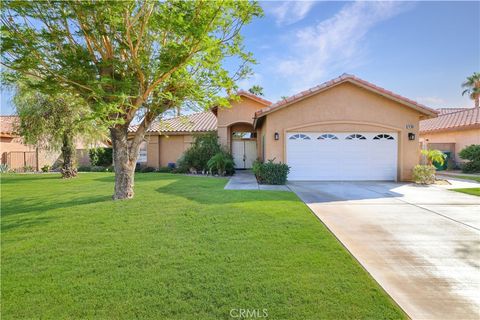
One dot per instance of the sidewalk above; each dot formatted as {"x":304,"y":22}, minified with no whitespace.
{"x":245,"y":180}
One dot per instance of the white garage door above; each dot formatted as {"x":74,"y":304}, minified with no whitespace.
{"x":342,"y":156}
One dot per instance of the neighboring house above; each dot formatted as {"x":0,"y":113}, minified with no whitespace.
{"x":343,"y":129}
{"x":18,"y":155}
{"x":453,"y":130}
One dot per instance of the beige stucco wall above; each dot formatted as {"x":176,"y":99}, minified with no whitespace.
{"x":461,"y":139}
{"x":12,"y":149}
{"x":347,"y":108}
{"x":241,"y":111}
{"x":165,"y":149}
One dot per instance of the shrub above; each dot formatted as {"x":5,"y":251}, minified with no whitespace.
{"x":147,"y":169}
{"x":424,"y":174}
{"x":221,"y":163}
{"x":84,"y":169}
{"x":98,"y":169}
{"x":46,"y":168}
{"x":203,"y":149}
{"x":28,"y":169}
{"x":3,"y":168}
{"x":471,"y":167}
{"x":271,"y":172}
{"x":101,"y":156}
{"x":165,"y":169}
{"x":471,"y":153}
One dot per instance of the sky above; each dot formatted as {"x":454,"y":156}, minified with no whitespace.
{"x":421,"y":50}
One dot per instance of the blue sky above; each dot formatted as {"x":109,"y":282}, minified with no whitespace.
{"x":422,"y":50}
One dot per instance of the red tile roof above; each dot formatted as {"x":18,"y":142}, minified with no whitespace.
{"x":464,"y":119}
{"x":449,"y":110}
{"x":346,"y":78}
{"x":8,"y":125}
{"x":197,"y":122}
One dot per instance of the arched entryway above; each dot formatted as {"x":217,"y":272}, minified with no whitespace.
{"x":243,"y":145}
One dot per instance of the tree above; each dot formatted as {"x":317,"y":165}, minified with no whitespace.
{"x":256,"y":90}
{"x":54,"y":122}
{"x":472,"y":88}
{"x":129,"y":59}
{"x":436,"y":156}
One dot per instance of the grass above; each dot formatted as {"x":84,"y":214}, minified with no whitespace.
{"x":468,"y":178}
{"x":472,"y":191}
{"x":183,"y":248}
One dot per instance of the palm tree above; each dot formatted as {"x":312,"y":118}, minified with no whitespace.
{"x":472,"y":88}
{"x":256,"y":90}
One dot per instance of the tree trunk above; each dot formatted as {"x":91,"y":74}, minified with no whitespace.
{"x":68,"y":155}
{"x":477,"y":102}
{"x":124,"y":160}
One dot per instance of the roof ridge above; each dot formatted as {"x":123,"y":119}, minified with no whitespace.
{"x":458,"y":111}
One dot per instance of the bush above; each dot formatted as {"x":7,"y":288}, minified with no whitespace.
{"x":203,"y":149}
{"x":471,"y":153}
{"x":165,"y":169}
{"x":84,"y":169}
{"x":3,"y":168}
{"x":270,"y":172}
{"x":147,"y":169}
{"x":101,"y":156}
{"x":46,"y":168}
{"x":471,"y":167}
{"x":424,"y":174}
{"x":221,"y":164}
{"x":98,"y":169}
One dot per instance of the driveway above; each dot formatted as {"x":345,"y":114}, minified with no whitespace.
{"x":421,"y":244}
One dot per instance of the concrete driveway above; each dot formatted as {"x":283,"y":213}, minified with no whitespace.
{"x":421,"y":244}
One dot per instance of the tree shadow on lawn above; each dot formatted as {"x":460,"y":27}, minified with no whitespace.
{"x":28,"y":205}
{"x":211,"y":191}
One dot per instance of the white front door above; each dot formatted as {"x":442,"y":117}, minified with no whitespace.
{"x":342,"y":155}
{"x":244,"y":153}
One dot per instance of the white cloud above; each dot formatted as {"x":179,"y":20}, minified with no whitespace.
{"x":431,"y":101}
{"x":289,"y":12}
{"x":336,"y":44}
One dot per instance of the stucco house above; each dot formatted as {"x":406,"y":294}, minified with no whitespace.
{"x":343,"y":129}
{"x":453,"y":130}
{"x":18,"y":155}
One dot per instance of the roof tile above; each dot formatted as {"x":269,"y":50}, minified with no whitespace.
{"x":465,"y":118}
{"x":197,"y":122}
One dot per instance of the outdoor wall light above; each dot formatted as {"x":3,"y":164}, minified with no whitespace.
{"x":411,"y":136}
{"x":276,"y":136}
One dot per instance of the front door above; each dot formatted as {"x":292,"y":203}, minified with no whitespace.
{"x":244,"y":153}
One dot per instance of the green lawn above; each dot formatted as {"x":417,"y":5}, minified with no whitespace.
{"x":468,"y":178}
{"x":184,"y":248}
{"x":472,"y":191}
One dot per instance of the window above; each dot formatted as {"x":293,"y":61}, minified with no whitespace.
{"x":142,"y":153}
{"x":356,"y":136}
{"x":327,"y":136}
{"x":299,"y":136}
{"x":243,"y":135}
{"x":383,"y":136}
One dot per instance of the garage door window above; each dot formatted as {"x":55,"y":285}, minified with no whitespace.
{"x":299,"y":137}
{"x":327,"y":136}
{"x":383,"y":137}
{"x":355,"y":136}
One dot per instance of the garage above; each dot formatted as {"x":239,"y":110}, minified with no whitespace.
{"x":343,"y":156}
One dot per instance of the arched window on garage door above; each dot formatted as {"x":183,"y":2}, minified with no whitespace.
{"x":299,"y":136}
{"x":356,"y":136}
{"x":328,"y":136}
{"x":383,"y":136}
